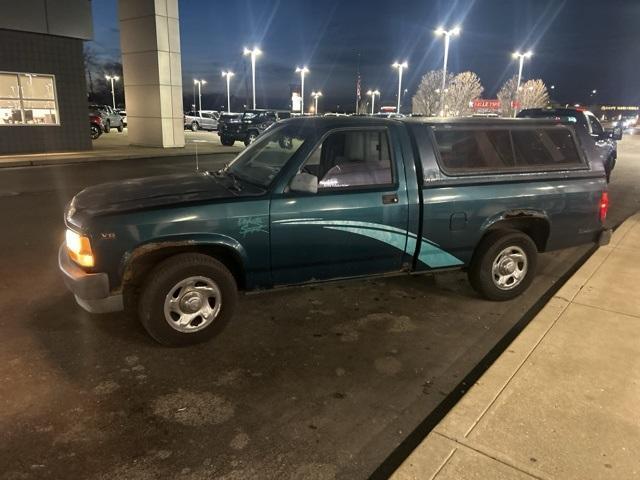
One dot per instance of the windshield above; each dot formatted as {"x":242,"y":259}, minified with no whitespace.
{"x":262,"y":161}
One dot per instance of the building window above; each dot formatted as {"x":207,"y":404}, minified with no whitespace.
{"x":28,"y":99}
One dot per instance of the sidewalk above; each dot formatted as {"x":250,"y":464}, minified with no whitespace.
{"x":563,"y":401}
{"x":115,"y":146}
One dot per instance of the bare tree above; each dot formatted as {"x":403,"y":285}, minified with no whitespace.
{"x":462,"y":90}
{"x":90,"y":65}
{"x":507,"y":96}
{"x":426,"y":101}
{"x":532,"y":94}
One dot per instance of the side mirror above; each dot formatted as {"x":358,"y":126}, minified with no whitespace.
{"x":304,"y":183}
{"x":615,"y":133}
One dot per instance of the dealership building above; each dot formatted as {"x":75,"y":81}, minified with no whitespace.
{"x":43,"y":101}
{"x":43,"y":92}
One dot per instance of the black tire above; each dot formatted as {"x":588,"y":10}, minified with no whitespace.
{"x":487,"y":252}
{"x":95,"y":132}
{"x":251,"y":137}
{"x":227,"y":142}
{"x":107,"y":126}
{"x":120,"y":128}
{"x":162,"y":280}
{"x":194,"y":126}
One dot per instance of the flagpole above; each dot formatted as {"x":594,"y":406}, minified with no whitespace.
{"x":358,"y":84}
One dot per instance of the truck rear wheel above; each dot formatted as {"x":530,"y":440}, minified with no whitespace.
{"x":503,"y":265}
{"x":187,"y":299}
{"x":226,"y":141}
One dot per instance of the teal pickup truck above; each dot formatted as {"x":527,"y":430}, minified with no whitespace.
{"x":316,"y":199}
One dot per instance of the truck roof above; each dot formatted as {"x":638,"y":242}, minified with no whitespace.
{"x":328,"y":122}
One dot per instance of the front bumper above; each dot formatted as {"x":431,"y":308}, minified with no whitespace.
{"x":236,"y":135}
{"x":90,"y":289}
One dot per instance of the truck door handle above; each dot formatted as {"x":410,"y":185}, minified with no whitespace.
{"x":389,"y":199}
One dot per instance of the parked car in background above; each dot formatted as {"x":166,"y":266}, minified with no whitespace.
{"x":252,"y":123}
{"x":123,"y":114}
{"x":110,"y":118}
{"x":95,"y":124}
{"x":601,"y":144}
{"x":321,"y":198}
{"x":201,"y":120}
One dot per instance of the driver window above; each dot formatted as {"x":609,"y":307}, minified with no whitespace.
{"x":596,"y":127}
{"x":351,"y":159}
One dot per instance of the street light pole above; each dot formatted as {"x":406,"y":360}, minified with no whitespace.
{"x":113,"y":78}
{"x":447,"y":36}
{"x":199,"y":83}
{"x":373,"y":94}
{"x":302,"y":71}
{"x":520,"y":57}
{"x":400,"y":67}
{"x":316,"y":95}
{"x":228,"y":74}
{"x":254,"y":53}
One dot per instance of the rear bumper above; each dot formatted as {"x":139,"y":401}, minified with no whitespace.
{"x":90,"y":289}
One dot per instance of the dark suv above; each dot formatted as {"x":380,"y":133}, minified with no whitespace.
{"x":599,"y":143}
{"x":252,"y":123}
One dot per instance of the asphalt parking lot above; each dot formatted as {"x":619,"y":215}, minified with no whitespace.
{"x":313,"y":383}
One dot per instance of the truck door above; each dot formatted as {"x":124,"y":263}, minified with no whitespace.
{"x":356,"y":223}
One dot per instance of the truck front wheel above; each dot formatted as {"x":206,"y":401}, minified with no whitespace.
{"x":187,"y":299}
{"x":251,"y":137}
{"x":503,"y":265}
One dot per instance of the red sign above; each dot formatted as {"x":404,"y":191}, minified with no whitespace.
{"x":484,"y":104}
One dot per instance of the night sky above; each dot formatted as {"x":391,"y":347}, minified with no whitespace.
{"x":579,"y":45}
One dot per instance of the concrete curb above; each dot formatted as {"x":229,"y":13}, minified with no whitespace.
{"x":454,"y":442}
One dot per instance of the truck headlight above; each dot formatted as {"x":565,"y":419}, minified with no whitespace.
{"x":79,"y":249}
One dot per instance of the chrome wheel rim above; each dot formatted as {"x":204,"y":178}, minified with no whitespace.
{"x":509,"y":268}
{"x":192,"y":304}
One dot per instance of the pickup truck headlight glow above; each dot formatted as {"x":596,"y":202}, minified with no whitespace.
{"x":79,"y":249}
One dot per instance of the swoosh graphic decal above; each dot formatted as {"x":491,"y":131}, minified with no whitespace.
{"x":430,"y":253}
{"x":397,"y":240}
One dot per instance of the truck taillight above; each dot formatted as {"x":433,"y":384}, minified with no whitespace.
{"x":604,"y":206}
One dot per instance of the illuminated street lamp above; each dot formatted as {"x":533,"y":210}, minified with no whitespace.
{"x":113,"y":78}
{"x":372,"y":94}
{"x":302,"y":71}
{"x":228,"y":74}
{"x":447,"y":36}
{"x":315,"y":96}
{"x":521,"y":57}
{"x":255,"y":52}
{"x":199,"y":83}
{"x":400,"y":67}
